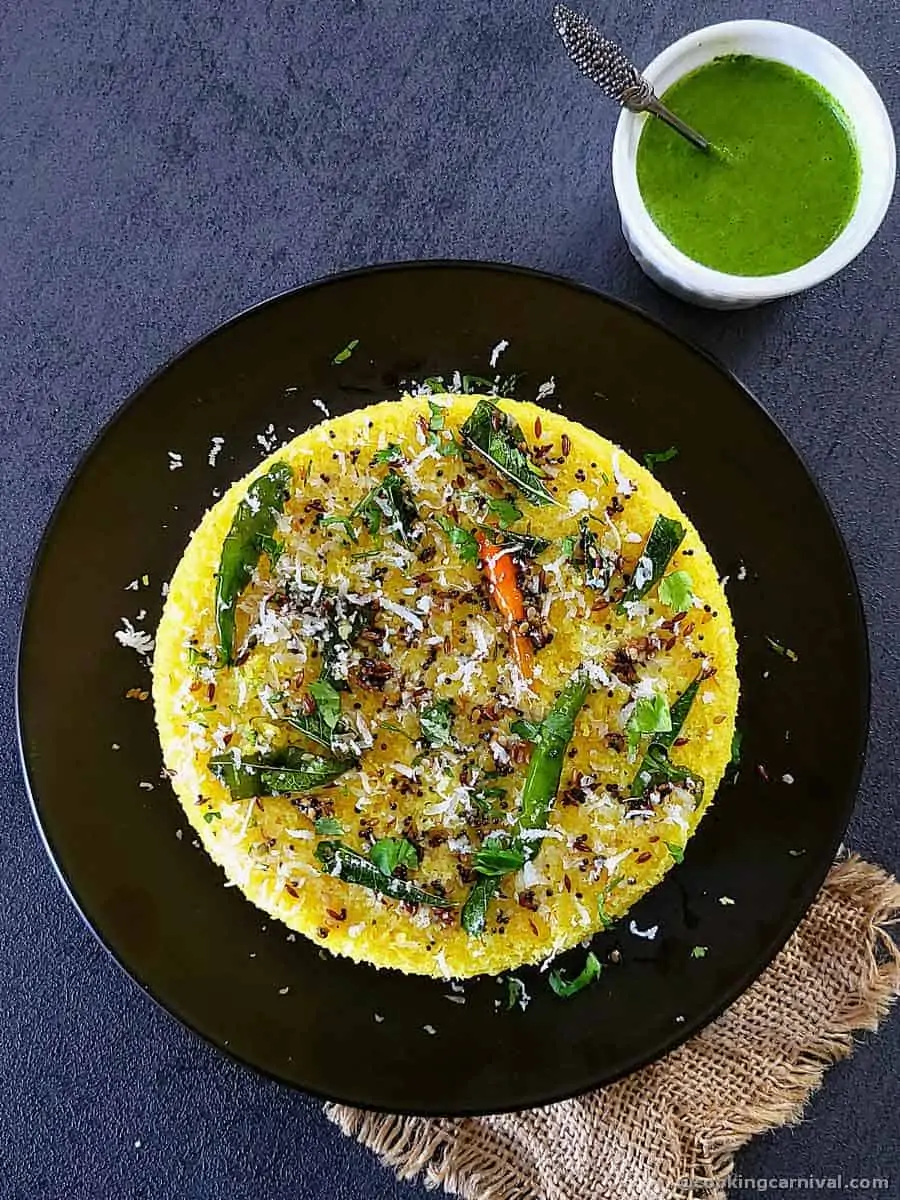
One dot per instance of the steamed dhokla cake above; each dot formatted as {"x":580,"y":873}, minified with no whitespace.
{"x":446,"y":683}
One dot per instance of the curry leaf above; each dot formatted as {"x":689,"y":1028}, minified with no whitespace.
{"x":290,"y":770}
{"x":342,"y":862}
{"x":664,"y":539}
{"x":499,"y":440}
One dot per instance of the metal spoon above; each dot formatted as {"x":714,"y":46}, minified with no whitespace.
{"x":606,"y":65}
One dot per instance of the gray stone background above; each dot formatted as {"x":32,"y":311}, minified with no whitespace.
{"x":164,"y":165}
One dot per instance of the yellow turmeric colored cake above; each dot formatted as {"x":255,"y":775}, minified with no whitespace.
{"x":446,"y":683}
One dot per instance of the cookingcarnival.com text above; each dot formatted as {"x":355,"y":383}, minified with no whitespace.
{"x":836,"y":1185}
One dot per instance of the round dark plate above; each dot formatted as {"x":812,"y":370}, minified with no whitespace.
{"x":225,"y":969}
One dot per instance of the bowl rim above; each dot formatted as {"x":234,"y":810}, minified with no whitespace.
{"x":696,"y":277}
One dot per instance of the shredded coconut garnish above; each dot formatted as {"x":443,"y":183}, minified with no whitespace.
{"x":649,"y":934}
{"x":215,"y":450}
{"x":502,"y":345}
{"x":546,"y":389}
{"x":135,"y":639}
{"x":321,"y":406}
{"x":175,"y":460}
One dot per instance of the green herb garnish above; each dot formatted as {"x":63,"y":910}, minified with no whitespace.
{"x":345,"y":523}
{"x":529,"y":731}
{"x":699,"y":951}
{"x":209,"y":817}
{"x":391,"y":501}
{"x":664,"y":539}
{"x":516,"y":994}
{"x":650,"y":715}
{"x":343,"y":355}
{"x":329,"y":827}
{"x":675,"y":850}
{"x":599,"y":564}
{"x":656,"y":767}
{"x":784,"y":651}
{"x":498,"y":439}
{"x":436,"y":723}
{"x":538,"y":792}
{"x":653,"y":457}
{"x":254,"y":519}
{"x":389,"y":853}
{"x":390,"y":454}
{"x":498,"y":857}
{"x":505,"y":511}
{"x":289,"y":770}
{"x":675,"y":590}
{"x":461,"y":539}
{"x":569,"y":987}
{"x":339,"y":860}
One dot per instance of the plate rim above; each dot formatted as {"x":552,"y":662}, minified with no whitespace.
{"x":812,"y":883}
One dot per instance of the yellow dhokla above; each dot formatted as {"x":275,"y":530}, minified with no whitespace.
{"x":362,"y":664}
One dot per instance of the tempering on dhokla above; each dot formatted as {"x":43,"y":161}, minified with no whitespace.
{"x":446,"y":684}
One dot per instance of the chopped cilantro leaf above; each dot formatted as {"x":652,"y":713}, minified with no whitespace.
{"x":390,"y":454}
{"x":505,"y":511}
{"x":209,"y":817}
{"x":784,"y":651}
{"x":389,"y":853}
{"x":516,"y":994}
{"x":569,"y":987}
{"x":676,"y":851}
{"x":652,"y":457}
{"x":699,"y":951}
{"x":343,"y":355}
{"x":328,"y":702}
{"x":675,"y":590}
{"x":329,"y":827}
{"x":496,"y":859}
{"x":650,"y":715}
{"x":568,"y":544}
{"x":436,"y":722}
{"x":461,"y":539}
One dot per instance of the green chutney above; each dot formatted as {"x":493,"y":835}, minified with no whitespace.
{"x":780,"y":181}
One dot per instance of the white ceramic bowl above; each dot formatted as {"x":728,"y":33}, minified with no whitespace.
{"x":840,"y":76}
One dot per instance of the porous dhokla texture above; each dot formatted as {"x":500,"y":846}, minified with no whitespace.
{"x":443,"y":639}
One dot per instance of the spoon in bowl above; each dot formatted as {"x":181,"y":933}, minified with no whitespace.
{"x":614,"y":74}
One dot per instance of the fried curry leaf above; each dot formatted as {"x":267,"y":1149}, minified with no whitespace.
{"x":436,"y":723}
{"x":254,"y":520}
{"x":474,"y":912}
{"x":498,"y":439}
{"x":664,"y":539}
{"x":598,"y":563}
{"x":522,"y":545}
{"x":389,"y":853}
{"x":462,"y":540}
{"x":389,"y":502}
{"x":569,"y":987}
{"x":342,"y":862}
{"x":290,"y":770}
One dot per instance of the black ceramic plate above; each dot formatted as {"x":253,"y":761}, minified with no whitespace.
{"x":220,"y":965}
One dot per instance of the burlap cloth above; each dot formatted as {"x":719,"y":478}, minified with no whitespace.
{"x":673,"y":1128}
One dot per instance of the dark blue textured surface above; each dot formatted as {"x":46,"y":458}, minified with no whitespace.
{"x":163,"y":165}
